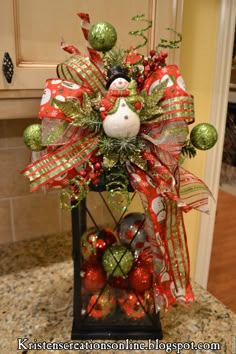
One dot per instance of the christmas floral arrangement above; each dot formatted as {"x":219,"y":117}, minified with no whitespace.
{"x":119,"y":118}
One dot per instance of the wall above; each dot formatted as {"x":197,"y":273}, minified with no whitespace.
{"x":23,"y":215}
{"x":26,"y":215}
{"x":197,"y":61}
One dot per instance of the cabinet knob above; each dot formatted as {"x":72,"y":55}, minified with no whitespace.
{"x":7,"y":67}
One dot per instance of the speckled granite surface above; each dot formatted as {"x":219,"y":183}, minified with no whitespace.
{"x":36,"y":302}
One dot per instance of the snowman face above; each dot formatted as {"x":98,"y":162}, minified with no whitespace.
{"x":119,"y":84}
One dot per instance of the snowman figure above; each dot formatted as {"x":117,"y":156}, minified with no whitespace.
{"x":120,"y":107}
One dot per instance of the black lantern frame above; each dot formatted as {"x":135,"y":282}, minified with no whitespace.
{"x":117,"y":325}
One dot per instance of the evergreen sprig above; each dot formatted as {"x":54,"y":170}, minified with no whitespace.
{"x":114,"y":57}
{"x":188,"y":150}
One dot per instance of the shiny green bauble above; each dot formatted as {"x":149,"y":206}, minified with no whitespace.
{"x":32,"y":137}
{"x":102,"y":36}
{"x":115,"y":254}
{"x":203,"y":136}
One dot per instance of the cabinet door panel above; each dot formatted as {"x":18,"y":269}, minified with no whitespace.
{"x":31,"y":31}
{"x":33,"y":35}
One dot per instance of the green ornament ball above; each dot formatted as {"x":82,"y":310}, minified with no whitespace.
{"x":114,"y":254}
{"x":32,"y":137}
{"x":102,"y":36}
{"x":203,"y":136}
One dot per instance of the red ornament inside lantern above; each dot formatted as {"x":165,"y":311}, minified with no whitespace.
{"x":94,"y":278}
{"x":101,"y":305}
{"x":140,"y":278}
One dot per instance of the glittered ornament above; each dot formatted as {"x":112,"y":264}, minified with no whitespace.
{"x":94,"y":278}
{"x":146,"y":259}
{"x":32,"y":137}
{"x":140,"y":278}
{"x":203,"y":136}
{"x":131,"y":230}
{"x":94,"y":243}
{"x":106,"y":238}
{"x":117,"y":260}
{"x":101,"y":305}
{"x":88,"y":244}
{"x":136,"y":307}
{"x":102,"y":36}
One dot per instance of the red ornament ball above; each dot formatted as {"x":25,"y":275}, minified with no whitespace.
{"x":94,"y":278}
{"x":146,"y":259}
{"x":136,"y":307}
{"x":106,"y":236}
{"x":140,"y":278}
{"x":101,"y":305}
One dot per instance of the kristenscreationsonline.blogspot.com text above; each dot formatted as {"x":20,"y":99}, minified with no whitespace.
{"x":26,"y":344}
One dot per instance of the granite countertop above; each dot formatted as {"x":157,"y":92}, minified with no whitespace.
{"x":36,"y":302}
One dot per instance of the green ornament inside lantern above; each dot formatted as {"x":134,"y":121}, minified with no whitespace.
{"x":117,"y":260}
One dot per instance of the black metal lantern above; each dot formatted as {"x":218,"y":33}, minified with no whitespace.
{"x":107,"y":305}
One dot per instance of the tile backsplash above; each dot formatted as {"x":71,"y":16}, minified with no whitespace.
{"x":24,"y":215}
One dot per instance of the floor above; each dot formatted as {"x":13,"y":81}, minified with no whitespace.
{"x":222,"y":274}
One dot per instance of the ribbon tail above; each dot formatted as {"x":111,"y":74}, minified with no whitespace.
{"x":194,"y":193}
{"x":167,"y":239}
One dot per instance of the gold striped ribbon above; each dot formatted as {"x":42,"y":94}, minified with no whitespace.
{"x":177,"y":245}
{"x":193,"y":191}
{"x":180,"y":107}
{"x":60,"y":161}
{"x":80,"y":70}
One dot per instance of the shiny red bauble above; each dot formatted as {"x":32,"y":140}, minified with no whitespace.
{"x":101,"y":305}
{"x":140,"y":279}
{"x":146,"y":259}
{"x":136,"y":307}
{"x":106,"y":238}
{"x":94,"y":278}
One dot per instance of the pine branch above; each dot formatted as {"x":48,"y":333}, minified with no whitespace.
{"x":188,"y":150}
{"x":114,"y":57}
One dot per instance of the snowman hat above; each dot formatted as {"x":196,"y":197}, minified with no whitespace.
{"x":115,"y":73}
